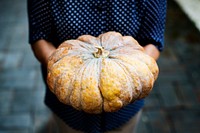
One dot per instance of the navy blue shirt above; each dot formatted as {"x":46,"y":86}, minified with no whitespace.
{"x":60,"y":20}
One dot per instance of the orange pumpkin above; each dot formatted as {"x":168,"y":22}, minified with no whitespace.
{"x":103,"y":73}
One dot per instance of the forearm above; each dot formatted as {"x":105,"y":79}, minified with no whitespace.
{"x":151,"y":50}
{"x":42,"y":49}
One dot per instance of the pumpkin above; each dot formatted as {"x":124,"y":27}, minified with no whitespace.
{"x":103,"y":73}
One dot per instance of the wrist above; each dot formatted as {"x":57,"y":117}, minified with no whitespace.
{"x":152,"y":51}
{"x":43,"y":50}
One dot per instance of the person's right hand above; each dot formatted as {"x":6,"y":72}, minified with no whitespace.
{"x":152,"y":51}
{"x":42,"y":50}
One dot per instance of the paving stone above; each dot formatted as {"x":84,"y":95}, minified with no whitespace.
{"x":142,"y":128}
{"x":152,"y":101}
{"x":38,"y":101}
{"x":168,"y":59}
{"x":29,"y":60}
{"x":10,"y":11}
{"x":155,"y":88}
{"x":186,"y":121}
{"x":20,"y":40}
{"x":17,"y":79}
{"x":15,"y":131}
{"x":23,"y":100}
{"x":143,"y":125}
{"x":1,"y":60}
{"x":39,"y":82}
{"x":5,"y":101}
{"x":172,"y":77}
{"x":158,"y":121}
{"x":15,"y":121}
{"x":187,"y":94}
{"x":12,"y":60}
{"x":168,"y":96}
{"x":6,"y":29}
{"x":42,"y":122}
{"x":194,"y":73}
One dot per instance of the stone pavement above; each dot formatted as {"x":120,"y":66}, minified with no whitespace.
{"x":172,"y":107}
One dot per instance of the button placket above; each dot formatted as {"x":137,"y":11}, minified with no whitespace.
{"x":101,"y":6}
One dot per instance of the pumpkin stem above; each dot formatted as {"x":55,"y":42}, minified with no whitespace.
{"x":101,"y":52}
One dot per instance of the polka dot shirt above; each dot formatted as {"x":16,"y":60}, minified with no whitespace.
{"x":60,"y":20}
{"x":57,"y":21}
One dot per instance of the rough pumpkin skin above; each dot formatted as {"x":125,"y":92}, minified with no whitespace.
{"x":103,"y":73}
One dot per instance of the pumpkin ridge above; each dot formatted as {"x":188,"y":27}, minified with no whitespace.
{"x":146,"y":59}
{"x":77,"y":43}
{"x":130,"y":41}
{"x":127,"y":77}
{"x":149,"y":61}
{"x":95,"y":105}
{"x":115,"y":56}
{"x":127,"y":50}
{"x":78,"y":46}
{"x":100,"y":41}
{"x":74,"y":55}
{"x":145,"y":91}
{"x":54,"y":67}
{"x":99,"y":61}
{"x":56,"y":56}
{"x":81,"y":89}
{"x":66,"y":101}
{"x":99,"y":80}
{"x":89,"y":47}
{"x":128,"y":72}
{"x":90,"y":40}
{"x":109,"y":39}
{"x":79,"y":71}
{"x":111,"y":85}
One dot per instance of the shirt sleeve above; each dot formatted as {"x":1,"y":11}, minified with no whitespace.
{"x":153,"y":23}
{"x":39,"y":18}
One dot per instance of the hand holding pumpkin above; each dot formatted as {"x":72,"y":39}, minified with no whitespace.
{"x":101,"y":74}
{"x":42,"y":50}
{"x":152,"y":51}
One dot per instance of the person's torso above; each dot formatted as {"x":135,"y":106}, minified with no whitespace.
{"x":72,"y":18}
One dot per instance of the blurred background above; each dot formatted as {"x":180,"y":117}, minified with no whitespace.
{"x":172,"y":107}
